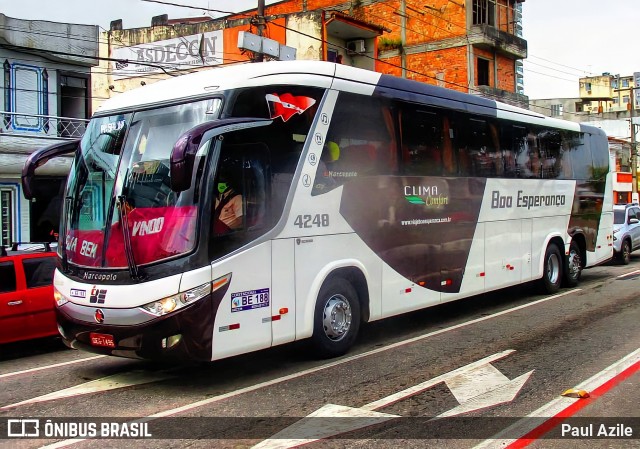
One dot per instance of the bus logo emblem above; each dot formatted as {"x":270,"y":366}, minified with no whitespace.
{"x":97,"y":296}
{"x":99,"y":316}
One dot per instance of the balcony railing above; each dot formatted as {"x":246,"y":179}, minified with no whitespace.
{"x":36,"y":125}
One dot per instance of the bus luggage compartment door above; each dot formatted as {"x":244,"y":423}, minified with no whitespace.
{"x":503,"y":253}
{"x":243,"y":319}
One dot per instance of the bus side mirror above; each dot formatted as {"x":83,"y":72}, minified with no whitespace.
{"x":183,"y":156}
{"x":41,"y":157}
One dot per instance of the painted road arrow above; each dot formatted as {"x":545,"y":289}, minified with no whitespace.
{"x":476,"y":386}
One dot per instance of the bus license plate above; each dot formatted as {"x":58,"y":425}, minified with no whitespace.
{"x":104,"y":340}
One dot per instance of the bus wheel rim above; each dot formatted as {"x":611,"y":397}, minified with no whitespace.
{"x":574,"y":263}
{"x":337,"y":317}
{"x":553,"y":268}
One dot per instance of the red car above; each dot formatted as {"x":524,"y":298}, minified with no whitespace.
{"x":26,"y":293}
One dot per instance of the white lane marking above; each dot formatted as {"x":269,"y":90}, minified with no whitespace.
{"x":628,"y":274}
{"x":558,"y":405}
{"x":104,"y":384}
{"x":40,"y":368}
{"x":288,"y":377}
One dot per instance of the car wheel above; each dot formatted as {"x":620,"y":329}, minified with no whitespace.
{"x":625,"y":253}
{"x":573,"y":266}
{"x":336,"y":319}
{"x":552,"y":272}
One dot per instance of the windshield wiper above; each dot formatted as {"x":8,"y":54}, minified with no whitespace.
{"x":128,"y":250}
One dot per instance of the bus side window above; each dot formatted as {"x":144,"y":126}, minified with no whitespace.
{"x":449,"y":165}
{"x":578,"y":155}
{"x":520,"y":148}
{"x":421,"y":132}
{"x":550,"y":153}
{"x":359,"y":142}
{"x":482,"y":145}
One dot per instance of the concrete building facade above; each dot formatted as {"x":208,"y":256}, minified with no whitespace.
{"x":45,"y":94}
{"x":605,"y":102}
{"x":609,"y":93}
{"x":467,"y":45}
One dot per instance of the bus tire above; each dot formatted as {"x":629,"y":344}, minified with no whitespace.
{"x":337,"y":318}
{"x":573,"y":265}
{"x":552,"y":271}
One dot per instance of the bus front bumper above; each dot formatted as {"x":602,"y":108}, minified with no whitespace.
{"x":185,"y":334}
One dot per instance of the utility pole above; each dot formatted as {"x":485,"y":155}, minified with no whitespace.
{"x":403,"y":36}
{"x":260,"y":24}
{"x":634,"y":149}
{"x":260,"y":45}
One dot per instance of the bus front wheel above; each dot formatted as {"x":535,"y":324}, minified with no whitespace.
{"x":552,"y":272}
{"x":337,"y":318}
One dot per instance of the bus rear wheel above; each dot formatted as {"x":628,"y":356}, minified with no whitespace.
{"x":573,"y":265}
{"x":337,"y":318}
{"x":552,"y":272}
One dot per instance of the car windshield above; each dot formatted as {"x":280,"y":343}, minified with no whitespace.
{"x":618,"y":217}
{"x":118,"y":201}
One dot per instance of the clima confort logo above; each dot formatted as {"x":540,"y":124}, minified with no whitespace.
{"x":425,"y":195}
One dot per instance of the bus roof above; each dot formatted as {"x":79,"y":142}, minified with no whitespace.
{"x":207,"y":82}
{"x":204,"y":83}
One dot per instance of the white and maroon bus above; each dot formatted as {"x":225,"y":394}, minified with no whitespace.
{"x":363,"y":196}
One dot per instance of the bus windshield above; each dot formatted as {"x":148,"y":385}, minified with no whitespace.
{"x":119,"y":203}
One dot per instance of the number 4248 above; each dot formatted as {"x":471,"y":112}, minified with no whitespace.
{"x":311,"y":221}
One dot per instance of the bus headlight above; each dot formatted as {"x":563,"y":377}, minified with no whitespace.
{"x":59,"y":298}
{"x":175,"y":302}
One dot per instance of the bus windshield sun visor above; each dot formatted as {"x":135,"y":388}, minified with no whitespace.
{"x":41,"y":157}
{"x":186,"y":147}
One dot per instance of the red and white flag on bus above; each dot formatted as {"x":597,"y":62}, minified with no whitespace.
{"x":286,"y":105}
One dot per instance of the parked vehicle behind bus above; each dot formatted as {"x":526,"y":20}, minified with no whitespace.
{"x":27,"y":308}
{"x":626,"y":231}
{"x":362,"y":196}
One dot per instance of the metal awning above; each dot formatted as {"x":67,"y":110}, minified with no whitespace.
{"x":348,"y":28}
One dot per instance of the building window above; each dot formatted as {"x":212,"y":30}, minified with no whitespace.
{"x":6,"y":217}
{"x":625,"y":83}
{"x":28,"y":96}
{"x":556,"y":110}
{"x":482,"y":69}
{"x":484,"y":12}
{"x":45,"y":99}
{"x":625,"y":99}
{"x":7,"y":92}
{"x":587,"y":86}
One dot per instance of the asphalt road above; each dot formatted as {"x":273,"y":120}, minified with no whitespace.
{"x":484,"y":372}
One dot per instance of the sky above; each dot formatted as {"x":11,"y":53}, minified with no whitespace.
{"x":567,"y":39}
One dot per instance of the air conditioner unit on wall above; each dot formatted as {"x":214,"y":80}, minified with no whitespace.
{"x":356,"y":47}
